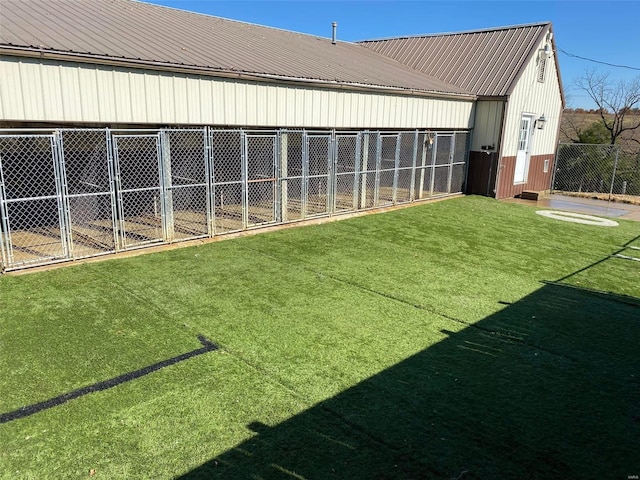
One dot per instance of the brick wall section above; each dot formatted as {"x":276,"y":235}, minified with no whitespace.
{"x":537,"y":180}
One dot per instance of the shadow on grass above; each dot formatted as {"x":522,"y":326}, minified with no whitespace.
{"x":546,"y":388}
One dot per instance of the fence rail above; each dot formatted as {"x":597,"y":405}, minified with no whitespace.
{"x":596,"y":169}
{"x":75,"y":193}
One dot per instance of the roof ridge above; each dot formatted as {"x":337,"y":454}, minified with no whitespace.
{"x":233,"y":20}
{"x":462,"y":32}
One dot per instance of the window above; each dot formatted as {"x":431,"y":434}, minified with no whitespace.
{"x":542,"y":67}
{"x":545,"y":168}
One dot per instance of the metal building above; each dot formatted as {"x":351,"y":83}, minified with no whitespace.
{"x":515,"y":74}
{"x":126,"y":124}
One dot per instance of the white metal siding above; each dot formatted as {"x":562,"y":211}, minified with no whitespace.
{"x":531,"y":96}
{"x":46,"y":90}
{"x":486,"y":130}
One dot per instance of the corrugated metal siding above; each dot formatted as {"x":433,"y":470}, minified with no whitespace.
{"x":137,"y":31}
{"x":537,"y":180}
{"x":484,"y":62}
{"x":46,"y":90}
{"x":531,"y":96}
{"x":488,"y":122}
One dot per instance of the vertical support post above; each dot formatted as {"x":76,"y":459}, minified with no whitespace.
{"x":613,"y":174}
{"x":396,"y":166}
{"x":283,"y":176}
{"x":555,"y":169}
{"x":423,"y":164}
{"x":163,"y":144}
{"x":5,"y":234}
{"x":412,"y":186}
{"x":376,"y":186}
{"x":305,"y":174}
{"x":356,"y":169}
{"x":277,"y":201}
{"x":210,"y":180}
{"x":364,"y":168}
{"x":331,"y":172}
{"x":62,"y":194}
{"x":434,"y":151}
{"x":113,"y":190}
{"x":245,"y":185}
{"x":452,"y":149}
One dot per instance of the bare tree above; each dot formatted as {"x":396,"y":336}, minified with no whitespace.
{"x":617,"y":104}
{"x":569,"y":127}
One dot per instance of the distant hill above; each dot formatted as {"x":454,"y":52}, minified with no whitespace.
{"x":574,"y":121}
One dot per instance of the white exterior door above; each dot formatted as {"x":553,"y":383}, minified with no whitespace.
{"x":522,"y":158}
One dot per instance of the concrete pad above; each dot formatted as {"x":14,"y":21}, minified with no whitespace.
{"x":587,"y":206}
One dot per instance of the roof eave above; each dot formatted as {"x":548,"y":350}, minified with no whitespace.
{"x":89,"y":58}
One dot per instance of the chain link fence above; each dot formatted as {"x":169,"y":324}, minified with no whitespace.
{"x":598,"y":170}
{"x":76,"y":193}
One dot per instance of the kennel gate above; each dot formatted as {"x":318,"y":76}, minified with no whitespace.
{"x":77,"y":193}
{"x":31,"y":202}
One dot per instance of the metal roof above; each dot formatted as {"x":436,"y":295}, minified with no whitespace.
{"x":131,"y":32}
{"x":485,"y":62}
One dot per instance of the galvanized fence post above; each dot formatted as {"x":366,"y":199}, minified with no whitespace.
{"x":305,"y":173}
{"x":277,"y":166}
{"x":357,"y":169}
{"x":613,"y":174}
{"x":412,"y":187}
{"x":113,"y":190}
{"x":331,"y":173}
{"x":434,"y":149}
{"x":245,"y":179}
{"x":376,"y":187}
{"x":63,"y":201}
{"x":555,"y":169}
{"x":4,"y":226}
{"x":452,"y":148}
{"x":210,"y":180}
{"x":396,"y":166}
{"x":364,"y":166}
{"x":166,"y":194}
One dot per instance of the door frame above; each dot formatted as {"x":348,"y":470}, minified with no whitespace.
{"x":525,"y":173}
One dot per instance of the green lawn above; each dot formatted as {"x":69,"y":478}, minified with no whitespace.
{"x":466,"y":339}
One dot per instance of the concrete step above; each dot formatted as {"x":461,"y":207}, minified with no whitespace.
{"x":531,"y":195}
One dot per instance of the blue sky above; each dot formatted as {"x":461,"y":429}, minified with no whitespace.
{"x":608,"y":31}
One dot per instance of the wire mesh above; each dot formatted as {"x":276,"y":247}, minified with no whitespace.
{"x":406,"y":161}
{"x":292,"y":151}
{"x":387,"y":167}
{"x":442,"y":164}
{"x":261,"y":178}
{"x":318,"y":184}
{"x":227,"y":156}
{"x":370,"y":170}
{"x":141,"y":208}
{"x":90,"y":196}
{"x":587,"y":169}
{"x":424,"y":167}
{"x":459,"y":162}
{"x":187,"y":192}
{"x":346,"y":168}
{"x":584,"y":168}
{"x":31,"y":201}
{"x":626,"y":180}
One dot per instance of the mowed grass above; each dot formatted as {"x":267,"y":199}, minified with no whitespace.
{"x":462,"y":339}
